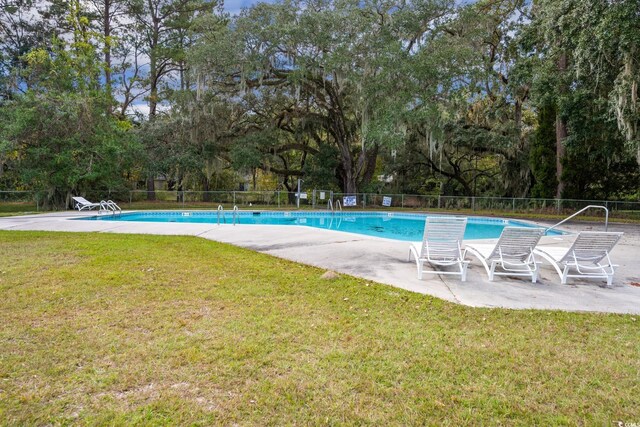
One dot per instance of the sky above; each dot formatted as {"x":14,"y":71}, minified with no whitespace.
{"x":231,"y":6}
{"x":234,"y":6}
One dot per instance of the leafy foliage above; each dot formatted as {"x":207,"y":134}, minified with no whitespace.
{"x":60,"y":140}
{"x":506,"y":97}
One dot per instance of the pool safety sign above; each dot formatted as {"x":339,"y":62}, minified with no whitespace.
{"x":349,"y":201}
{"x":386,"y":201}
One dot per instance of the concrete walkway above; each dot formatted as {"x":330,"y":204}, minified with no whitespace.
{"x":386,"y":261}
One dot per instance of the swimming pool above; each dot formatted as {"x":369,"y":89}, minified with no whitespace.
{"x":390,"y":225}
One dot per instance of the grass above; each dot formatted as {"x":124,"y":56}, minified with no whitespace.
{"x":156,"y":330}
{"x":17,"y":208}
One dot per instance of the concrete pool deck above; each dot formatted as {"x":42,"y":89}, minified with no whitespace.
{"x":386,"y":261}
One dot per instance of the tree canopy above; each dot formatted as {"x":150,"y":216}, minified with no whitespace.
{"x":493,"y":97}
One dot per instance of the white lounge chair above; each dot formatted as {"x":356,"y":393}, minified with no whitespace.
{"x":441,"y":246}
{"x":81,"y":203}
{"x":513,"y":253}
{"x":588,"y":256}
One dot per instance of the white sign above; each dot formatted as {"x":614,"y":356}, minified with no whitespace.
{"x":386,"y":201}
{"x":322,"y":195}
{"x":303,"y":195}
{"x":349,"y":201}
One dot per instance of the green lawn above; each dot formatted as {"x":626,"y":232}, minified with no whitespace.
{"x":19,"y":208}
{"x":152,"y":330}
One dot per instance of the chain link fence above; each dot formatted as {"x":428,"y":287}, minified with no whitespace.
{"x":26,"y":201}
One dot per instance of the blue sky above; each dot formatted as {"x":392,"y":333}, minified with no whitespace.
{"x":234,"y":6}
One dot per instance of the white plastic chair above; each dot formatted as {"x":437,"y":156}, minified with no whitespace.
{"x":441,"y":246}
{"x":513,"y":253}
{"x":588,"y":256}
{"x":81,"y":203}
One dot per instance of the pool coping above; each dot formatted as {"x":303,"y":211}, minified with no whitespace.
{"x":385,"y":261}
{"x":229,"y":217}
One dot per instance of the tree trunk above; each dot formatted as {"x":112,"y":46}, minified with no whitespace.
{"x":349,"y":185}
{"x":561,"y":131}
{"x":153,"y":83}
{"x":107,"y":50}
{"x":151,"y":188}
{"x":561,"y":135}
{"x":369,"y":158}
{"x":206,"y":187}
{"x":518,"y":117}
{"x":153,"y":64}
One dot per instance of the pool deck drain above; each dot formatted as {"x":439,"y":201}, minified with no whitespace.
{"x":386,"y":261}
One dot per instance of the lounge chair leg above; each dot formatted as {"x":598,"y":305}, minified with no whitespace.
{"x":563,"y":280}
{"x":609,"y":281}
{"x":492,"y":270}
{"x":464,"y":271}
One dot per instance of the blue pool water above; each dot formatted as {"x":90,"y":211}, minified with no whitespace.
{"x":397,"y":226}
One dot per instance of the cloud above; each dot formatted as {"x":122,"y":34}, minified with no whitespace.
{"x":235,"y":6}
{"x":143,"y":109}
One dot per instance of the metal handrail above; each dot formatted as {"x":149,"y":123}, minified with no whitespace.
{"x":114,"y":206}
{"x":606,"y":216}
{"x":109,"y":206}
{"x":220,"y":209}
{"x":330,"y":205}
{"x":235,"y":214}
{"x":338,"y":204}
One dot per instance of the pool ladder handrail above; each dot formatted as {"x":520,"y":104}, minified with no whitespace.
{"x":221,"y":209}
{"x":109,"y":206}
{"x":330,"y":206}
{"x":606,"y":216}
{"x":235,"y":215}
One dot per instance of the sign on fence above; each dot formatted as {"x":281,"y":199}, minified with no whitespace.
{"x":386,"y":201}
{"x":349,"y":201}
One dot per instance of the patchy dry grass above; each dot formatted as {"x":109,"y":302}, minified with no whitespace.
{"x":123,"y":329}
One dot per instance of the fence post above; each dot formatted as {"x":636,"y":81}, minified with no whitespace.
{"x":234,"y":198}
{"x":130,"y":198}
{"x":438,"y":201}
{"x":473,"y":203}
{"x":364,"y":200}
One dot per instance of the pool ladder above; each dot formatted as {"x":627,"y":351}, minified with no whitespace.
{"x":224,"y":220}
{"x":109,"y":206}
{"x":330,"y":205}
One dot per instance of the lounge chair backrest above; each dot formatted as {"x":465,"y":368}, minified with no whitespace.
{"x":81,"y":200}
{"x":592,"y":246}
{"x":444,"y":228}
{"x":443,"y":233}
{"x":516,"y":243}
